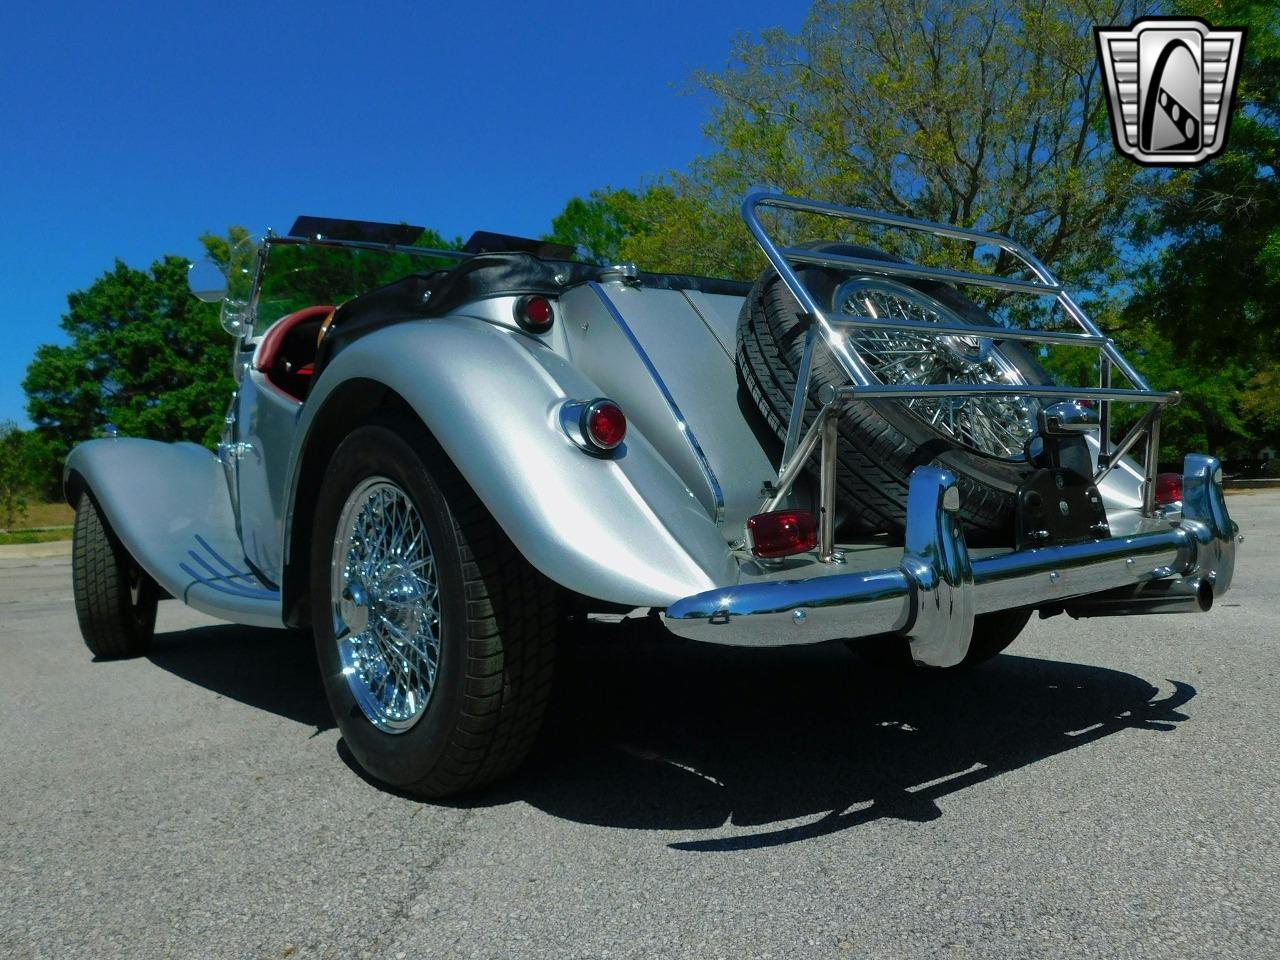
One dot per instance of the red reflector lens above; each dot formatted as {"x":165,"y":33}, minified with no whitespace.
{"x":534,"y":314}
{"x":1168,"y":488}
{"x":782,"y":533}
{"x":605,"y":424}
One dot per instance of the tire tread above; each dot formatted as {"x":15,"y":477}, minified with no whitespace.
{"x":99,"y":581}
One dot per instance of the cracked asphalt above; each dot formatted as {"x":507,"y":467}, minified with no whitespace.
{"x":1111,"y":788}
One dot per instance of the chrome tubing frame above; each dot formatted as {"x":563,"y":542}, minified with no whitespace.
{"x":829,"y":330}
{"x":936,"y":590}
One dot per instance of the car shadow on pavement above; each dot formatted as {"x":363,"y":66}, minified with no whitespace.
{"x":785,"y":745}
{"x":766,"y":746}
{"x":273,"y":670}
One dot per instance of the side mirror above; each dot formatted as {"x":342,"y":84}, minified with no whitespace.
{"x":207,"y":281}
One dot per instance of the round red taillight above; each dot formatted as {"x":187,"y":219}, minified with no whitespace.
{"x":534,"y":313}
{"x":604,"y":424}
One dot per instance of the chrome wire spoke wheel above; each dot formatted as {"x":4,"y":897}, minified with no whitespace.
{"x":385,"y":604}
{"x":998,"y":426}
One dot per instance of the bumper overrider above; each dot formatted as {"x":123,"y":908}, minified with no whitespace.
{"x":937,"y":590}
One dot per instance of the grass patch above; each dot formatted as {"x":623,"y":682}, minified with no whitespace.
{"x":41,"y":515}
{"x":34,"y":536}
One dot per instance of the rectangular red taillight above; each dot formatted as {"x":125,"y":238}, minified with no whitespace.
{"x":1168,"y":488}
{"x":782,"y":533}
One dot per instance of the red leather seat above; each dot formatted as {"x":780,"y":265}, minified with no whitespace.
{"x":268,"y":352}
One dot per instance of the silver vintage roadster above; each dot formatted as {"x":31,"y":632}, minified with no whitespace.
{"x":433,"y":457}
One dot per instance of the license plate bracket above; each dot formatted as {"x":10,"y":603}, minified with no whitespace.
{"x":1058,"y":505}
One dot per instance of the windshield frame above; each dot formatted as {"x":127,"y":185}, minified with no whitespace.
{"x":272,"y":240}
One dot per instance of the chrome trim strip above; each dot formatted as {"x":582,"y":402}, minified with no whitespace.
{"x":969,"y":329}
{"x":892,"y":269}
{"x":235,"y":582}
{"x":891,"y":391}
{"x":799,"y":395}
{"x":717,"y":494}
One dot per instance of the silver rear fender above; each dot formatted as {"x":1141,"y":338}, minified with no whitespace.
{"x":625,"y":528}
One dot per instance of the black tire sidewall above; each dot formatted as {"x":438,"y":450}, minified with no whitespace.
{"x":385,"y":449}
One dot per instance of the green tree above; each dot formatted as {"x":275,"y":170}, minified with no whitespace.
{"x":16,"y":479}
{"x":1207,"y":306}
{"x":142,"y":353}
{"x":975,"y":113}
{"x":596,"y":226}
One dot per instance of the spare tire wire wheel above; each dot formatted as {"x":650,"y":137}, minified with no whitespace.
{"x":980,"y":438}
{"x":998,"y":426}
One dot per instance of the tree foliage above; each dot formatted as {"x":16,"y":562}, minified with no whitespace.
{"x":26,"y":464}
{"x":1207,"y":305}
{"x":15,"y":479}
{"x":597,"y":226}
{"x":982,"y":114}
{"x":992,"y":114}
{"x":142,"y":353}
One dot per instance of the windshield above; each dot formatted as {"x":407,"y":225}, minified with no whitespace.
{"x":298,"y":275}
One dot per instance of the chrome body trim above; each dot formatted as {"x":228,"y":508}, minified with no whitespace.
{"x":1067,"y":418}
{"x":885,"y":392}
{"x":936,"y":591}
{"x":717,"y":494}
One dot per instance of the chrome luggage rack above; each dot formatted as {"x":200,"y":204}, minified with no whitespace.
{"x":828,"y":332}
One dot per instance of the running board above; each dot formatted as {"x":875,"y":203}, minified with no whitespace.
{"x":169,"y":504}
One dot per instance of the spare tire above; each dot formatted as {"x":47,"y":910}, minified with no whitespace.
{"x":980,"y":440}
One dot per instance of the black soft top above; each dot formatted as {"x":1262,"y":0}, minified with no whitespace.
{"x":485,"y":275}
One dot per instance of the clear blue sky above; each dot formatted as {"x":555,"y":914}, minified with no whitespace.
{"x":128,"y":129}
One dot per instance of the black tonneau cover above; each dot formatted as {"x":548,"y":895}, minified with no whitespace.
{"x":477,"y":278}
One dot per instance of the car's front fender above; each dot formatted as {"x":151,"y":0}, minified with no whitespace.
{"x":623,"y":528}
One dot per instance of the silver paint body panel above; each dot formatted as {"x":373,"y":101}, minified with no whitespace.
{"x":626,"y":528}
{"x":266,"y":424}
{"x":697,"y":371}
{"x":169,"y":505}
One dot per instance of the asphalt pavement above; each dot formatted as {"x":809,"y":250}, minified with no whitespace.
{"x":1110,"y":788}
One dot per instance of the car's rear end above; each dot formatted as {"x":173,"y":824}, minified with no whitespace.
{"x":1090,"y":530}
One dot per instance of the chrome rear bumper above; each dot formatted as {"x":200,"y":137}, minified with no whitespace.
{"x":937,"y":590}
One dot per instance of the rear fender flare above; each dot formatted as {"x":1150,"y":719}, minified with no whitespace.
{"x":624,"y":529}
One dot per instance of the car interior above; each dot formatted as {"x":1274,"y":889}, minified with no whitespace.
{"x":287,"y":352}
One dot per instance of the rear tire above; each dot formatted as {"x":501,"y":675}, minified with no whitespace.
{"x":115,"y":599}
{"x":492,"y":619}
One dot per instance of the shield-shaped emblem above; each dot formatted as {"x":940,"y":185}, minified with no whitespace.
{"x":1170,"y":83}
